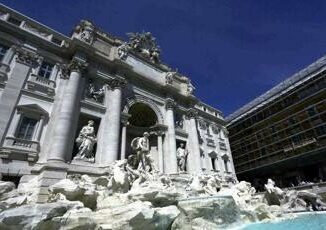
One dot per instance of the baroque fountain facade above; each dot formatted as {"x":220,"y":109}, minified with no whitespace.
{"x":98,"y":133}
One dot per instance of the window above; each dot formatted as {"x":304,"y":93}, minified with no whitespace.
{"x":321,"y":130}
{"x":3,"y":51}
{"x":26,"y":128}
{"x":226,"y":165}
{"x":45,"y":70}
{"x":312,"y":111}
{"x":213,"y":164}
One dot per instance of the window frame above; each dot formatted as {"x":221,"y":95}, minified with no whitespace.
{"x":19,"y":126}
{"x":46,"y":70}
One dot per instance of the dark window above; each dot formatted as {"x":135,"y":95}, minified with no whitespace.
{"x":14,"y":21}
{"x":56,"y":41}
{"x":213,"y":163}
{"x":45,"y":70}
{"x":226,"y":165}
{"x":26,"y":128}
{"x":312,"y":111}
{"x":321,"y":130}
{"x":3,"y":51}
{"x":292,"y":120}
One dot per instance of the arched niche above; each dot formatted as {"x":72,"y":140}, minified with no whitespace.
{"x":145,"y":102}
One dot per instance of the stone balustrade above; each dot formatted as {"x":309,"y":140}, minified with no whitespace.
{"x":38,"y":83}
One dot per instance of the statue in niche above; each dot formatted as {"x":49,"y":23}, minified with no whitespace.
{"x":96,"y":95}
{"x":85,"y":142}
{"x":141,"y":160}
{"x":182,"y":154}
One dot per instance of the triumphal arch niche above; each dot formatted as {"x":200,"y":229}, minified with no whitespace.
{"x":80,"y":101}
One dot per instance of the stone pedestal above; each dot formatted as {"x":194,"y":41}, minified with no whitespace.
{"x":170,"y":156}
{"x":67,"y":118}
{"x":110,"y":124}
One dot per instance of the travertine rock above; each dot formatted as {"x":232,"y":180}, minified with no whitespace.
{"x":34,"y":216}
{"x":84,"y":191}
{"x":80,"y":219}
{"x":210,"y":213}
{"x":6,"y":187}
{"x":157,"y":193}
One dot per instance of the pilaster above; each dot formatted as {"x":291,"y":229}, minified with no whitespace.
{"x":24,"y":61}
{"x":193,"y":161}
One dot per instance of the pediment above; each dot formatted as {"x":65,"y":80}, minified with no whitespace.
{"x":33,"y":108}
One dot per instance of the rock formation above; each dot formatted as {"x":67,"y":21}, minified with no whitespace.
{"x":138,"y":199}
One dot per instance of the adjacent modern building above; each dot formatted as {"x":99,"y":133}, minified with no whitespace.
{"x":282,"y":133}
{"x":51,"y":85}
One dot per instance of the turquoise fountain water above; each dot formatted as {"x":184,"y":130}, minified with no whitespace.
{"x":307,"y":221}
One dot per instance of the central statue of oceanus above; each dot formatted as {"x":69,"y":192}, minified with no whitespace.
{"x":141,"y":158}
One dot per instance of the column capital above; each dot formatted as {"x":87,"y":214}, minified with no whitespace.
{"x":191,"y":113}
{"x":26,"y":57}
{"x":116,"y":83}
{"x":170,"y":103}
{"x":75,"y":65}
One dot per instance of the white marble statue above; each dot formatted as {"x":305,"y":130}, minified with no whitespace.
{"x":213,"y":184}
{"x":271,"y":188}
{"x":182,"y":154}
{"x":85,"y":141}
{"x":142,"y":160}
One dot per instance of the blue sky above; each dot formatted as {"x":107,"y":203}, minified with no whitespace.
{"x":233,"y":50}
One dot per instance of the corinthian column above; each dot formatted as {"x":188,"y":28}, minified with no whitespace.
{"x":170,"y":156}
{"x":193,"y":161}
{"x":67,"y":117}
{"x":110,"y":124}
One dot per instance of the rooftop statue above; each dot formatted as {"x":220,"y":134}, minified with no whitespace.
{"x":143,"y":44}
{"x":85,"y":31}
